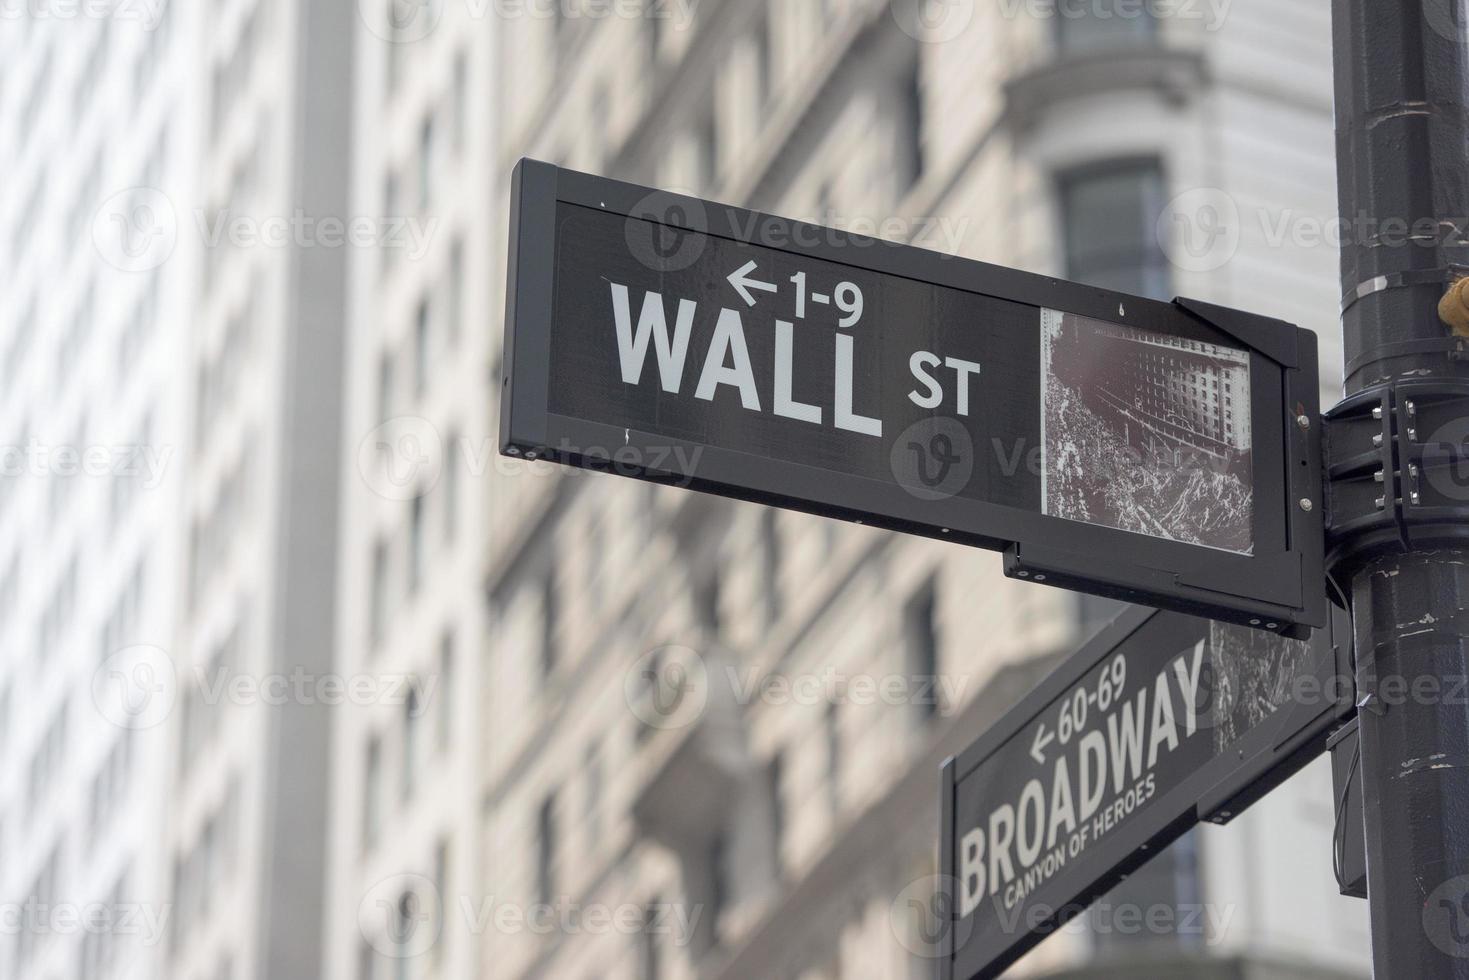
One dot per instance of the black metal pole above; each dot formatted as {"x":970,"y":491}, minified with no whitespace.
{"x":1403,"y":151}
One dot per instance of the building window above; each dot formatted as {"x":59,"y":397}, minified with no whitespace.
{"x":652,"y":952}
{"x":372,"y":794}
{"x":832,"y":725}
{"x":663,"y":689}
{"x":390,"y":204}
{"x":384,"y":388}
{"x":451,"y":487}
{"x":910,"y":145}
{"x":421,"y":324}
{"x":764,"y":62}
{"x":921,"y":646}
{"x":595,"y":551}
{"x":415,"y":544}
{"x":456,"y":291}
{"x":774,"y":776}
{"x":100,"y":946}
{"x":34,"y":930}
{"x":1084,"y":28}
{"x":707,"y":147}
{"x":550,"y":611}
{"x":461,"y":100}
{"x":594,"y":795}
{"x":409,"y":914}
{"x":1110,"y":215}
{"x":378,"y":612}
{"x":654,"y":20}
{"x":546,"y":852}
{"x":718,"y":878}
{"x":411,"y":712}
{"x":771,"y":560}
{"x":395,"y":49}
{"x":446,"y":692}
{"x":441,"y":866}
{"x":441,"y":884}
{"x":707,"y":601}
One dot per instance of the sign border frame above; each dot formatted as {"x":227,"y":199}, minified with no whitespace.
{"x":1263,"y":590}
{"x":1290,"y":739}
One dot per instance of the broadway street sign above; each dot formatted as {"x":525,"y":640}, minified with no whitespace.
{"x":1110,"y":444}
{"x":1161,"y":721}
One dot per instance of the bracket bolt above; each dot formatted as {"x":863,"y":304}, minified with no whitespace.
{"x":1303,"y":421}
{"x":1306,"y":504}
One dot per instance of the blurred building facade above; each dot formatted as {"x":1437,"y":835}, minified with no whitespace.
{"x":255,"y":638}
{"x":416,"y":447}
{"x":88,"y":544}
{"x":651,"y":745}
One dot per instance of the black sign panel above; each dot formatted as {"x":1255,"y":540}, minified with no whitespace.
{"x":1161,"y":721}
{"x":1106,"y":443}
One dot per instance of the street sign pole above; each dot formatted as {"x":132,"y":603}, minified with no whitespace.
{"x":1398,"y":531}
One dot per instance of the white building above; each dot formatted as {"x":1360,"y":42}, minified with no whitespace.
{"x":416,"y":441}
{"x":256,"y":634}
{"x":164,"y":811}
{"x":91,"y":333}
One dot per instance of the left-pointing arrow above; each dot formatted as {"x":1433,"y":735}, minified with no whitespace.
{"x":1043,"y":738}
{"x":741,"y":281}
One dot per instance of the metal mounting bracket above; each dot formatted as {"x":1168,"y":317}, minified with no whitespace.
{"x":1397,"y":471}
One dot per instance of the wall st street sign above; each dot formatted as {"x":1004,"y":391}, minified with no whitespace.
{"x":1161,"y":721}
{"x":1105,"y":443}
